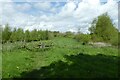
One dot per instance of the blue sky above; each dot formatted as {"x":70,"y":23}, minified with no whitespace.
{"x":56,"y":15}
{"x":36,"y":11}
{"x":50,"y":0}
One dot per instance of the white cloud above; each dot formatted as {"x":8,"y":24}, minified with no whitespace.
{"x":40,"y":26}
{"x":6,"y":1}
{"x":70,"y":16}
{"x":23,"y":7}
{"x":12,"y":16}
{"x":68,"y":9}
{"x":92,"y":2}
{"x":42,"y":5}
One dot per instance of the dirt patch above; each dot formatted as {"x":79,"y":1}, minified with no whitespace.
{"x":99,"y":44}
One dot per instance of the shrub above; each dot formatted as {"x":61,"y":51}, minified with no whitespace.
{"x":85,"y":38}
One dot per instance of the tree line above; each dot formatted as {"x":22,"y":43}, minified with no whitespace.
{"x":102,"y":30}
{"x":19,"y":34}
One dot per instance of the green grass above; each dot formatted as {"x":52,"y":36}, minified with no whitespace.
{"x":67,"y":58}
{"x":16,"y":62}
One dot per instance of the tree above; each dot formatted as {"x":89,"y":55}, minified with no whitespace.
{"x":104,"y":30}
{"x":46,"y":35}
{"x":34,"y":35}
{"x":13,"y":36}
{"x":93,"y":26}
{"x":39,"y":32}
{"x":27,"y":36}
{"x":20,"y":34}
{"x":6,"y":33}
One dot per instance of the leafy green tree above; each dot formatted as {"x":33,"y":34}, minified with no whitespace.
{"x":46,"y":35}
{"x":13,"y":37}
{"x":20,"y":34}
{"x":27,"y":36}
{"x":93,"y":26}
{"x":6,"y":33}
{"x":39,"y":36}
{"x":34,"y":35}
{"x":104,"y":30}
{"x":43,"y":35}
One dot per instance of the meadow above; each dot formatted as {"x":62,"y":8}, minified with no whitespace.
{"x":67,"y":58}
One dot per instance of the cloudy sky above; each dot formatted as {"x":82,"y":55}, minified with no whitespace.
{"x":56,"y":15}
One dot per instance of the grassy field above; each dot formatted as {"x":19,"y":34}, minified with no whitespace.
{"x":66,"y":59}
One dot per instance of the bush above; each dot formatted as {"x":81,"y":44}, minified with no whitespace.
{"x":114,"y":40}
{"x":95,"y":38}
{"x":85,"y":38}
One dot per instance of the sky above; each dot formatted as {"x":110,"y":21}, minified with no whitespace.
{"x":56,"y":15}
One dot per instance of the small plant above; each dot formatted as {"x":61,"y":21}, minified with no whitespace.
{"x":84,"y":38}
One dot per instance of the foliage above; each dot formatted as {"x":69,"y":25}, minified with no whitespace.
{"x":103,"y":29}
{"x":85,"y":38}
{"x":20,"y":35}
{"x":93,"y":26}
{"x":69,"y":34}
{"x":33,"y":35}
{"x":27,"y":36}
{"x":6,"y":33}
{"x":13,"y":37}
